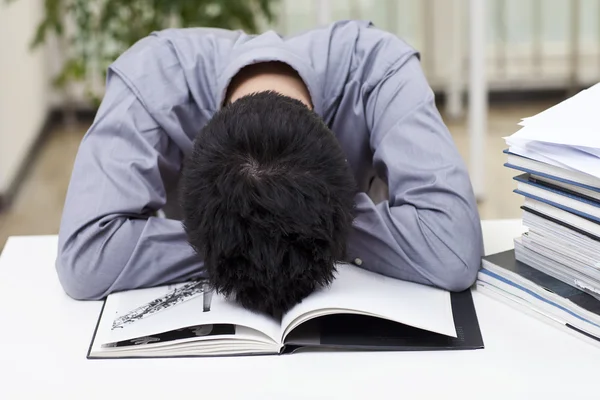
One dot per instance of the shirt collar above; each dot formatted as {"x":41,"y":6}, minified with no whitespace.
{"x":249,"y":53}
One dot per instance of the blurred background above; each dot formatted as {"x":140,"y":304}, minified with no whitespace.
{"x":490,"y":62}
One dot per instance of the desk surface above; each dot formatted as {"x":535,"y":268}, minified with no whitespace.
{"x":45,"y":335}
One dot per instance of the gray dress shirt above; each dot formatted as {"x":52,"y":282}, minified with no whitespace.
{"x":367,"y":85}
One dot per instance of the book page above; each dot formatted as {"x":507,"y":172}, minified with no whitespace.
{"x":572,"y":158}
{"x":360,"y":291}
{"x":573,"y":122}
{"x":145,"y":312}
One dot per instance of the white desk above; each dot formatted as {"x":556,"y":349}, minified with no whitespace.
{"x":44,"y":338}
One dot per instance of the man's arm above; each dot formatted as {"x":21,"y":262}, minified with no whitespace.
{"x":108,"y":240}
{"x":429,"y":231}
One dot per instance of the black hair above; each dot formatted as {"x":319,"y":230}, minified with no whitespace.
{"x":268,"y":201}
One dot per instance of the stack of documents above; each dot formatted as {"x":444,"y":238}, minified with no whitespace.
{"x":540,"y":295}
{"x":556,"y":157}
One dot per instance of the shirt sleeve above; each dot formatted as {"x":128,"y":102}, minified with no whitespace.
{"x":109,"y":239}
{"x":429,"y":230}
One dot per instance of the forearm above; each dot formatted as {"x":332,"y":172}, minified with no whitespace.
{"x":439,"y":248}
{"x":108,"y":239}
{"x":428,"y":231}
{"x":123,"y":253}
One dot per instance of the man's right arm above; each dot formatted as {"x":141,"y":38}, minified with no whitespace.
{"x":108,"y":240}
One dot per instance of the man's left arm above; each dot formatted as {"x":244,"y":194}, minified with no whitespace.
{"x":429,"y":230}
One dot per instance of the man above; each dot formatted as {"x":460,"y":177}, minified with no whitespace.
{"x":274,"y":145}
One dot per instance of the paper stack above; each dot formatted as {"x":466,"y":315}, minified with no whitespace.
{"x":556,"y":155}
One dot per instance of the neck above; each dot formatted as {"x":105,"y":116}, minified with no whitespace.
{"x":271,"y":76}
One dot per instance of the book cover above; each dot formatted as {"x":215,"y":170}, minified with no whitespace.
{"x":562,"y":223}
{"x":579,"y":222}
{"x":507,"y":261}
{"x":361,"y":310}
{"x":551,"y":172}
{"x":526,"y":179}
{"x":560,"y":199}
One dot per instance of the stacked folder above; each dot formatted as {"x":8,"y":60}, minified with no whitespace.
{"x":554,"y":270}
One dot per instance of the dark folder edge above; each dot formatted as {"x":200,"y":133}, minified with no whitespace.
{"x":465,"y":321}
{"x":589,"y":335}
{"x":95,"y":331}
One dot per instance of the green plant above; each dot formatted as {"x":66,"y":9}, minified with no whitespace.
{"x":96,"y":32}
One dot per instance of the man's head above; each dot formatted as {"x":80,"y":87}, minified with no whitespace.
{"x":268,"y":201}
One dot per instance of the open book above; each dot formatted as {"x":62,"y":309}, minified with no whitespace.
{"x":360,"y":310}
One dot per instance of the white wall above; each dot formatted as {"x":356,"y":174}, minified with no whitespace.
{"x":23,"y":85}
